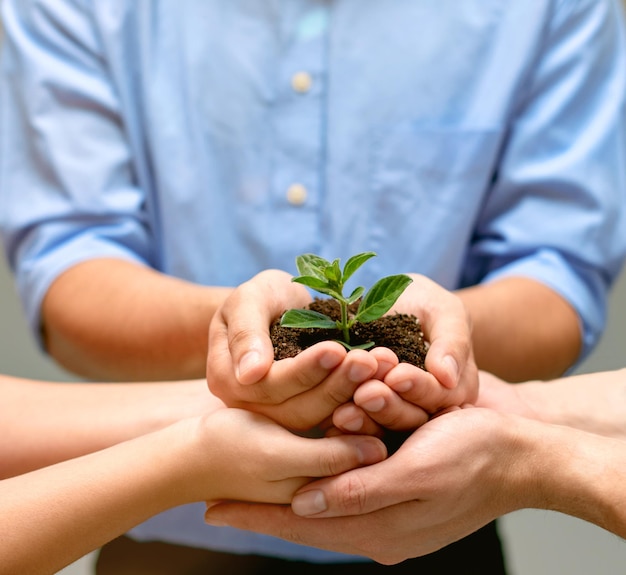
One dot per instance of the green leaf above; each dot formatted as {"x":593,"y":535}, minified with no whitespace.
{"x":318,"y":285}
{"x":312,"y":265}
{"x":306,"y":318}
{"x":354,"y":263}
{"x":333,"y":273}
{"x":379,"y":299}
{"x":311,"y":281}
{"x":355,"y":295}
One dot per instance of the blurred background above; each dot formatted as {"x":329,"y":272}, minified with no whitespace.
{"x":536,"y":542}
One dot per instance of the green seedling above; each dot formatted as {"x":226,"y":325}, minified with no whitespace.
{"x":329,"y":279}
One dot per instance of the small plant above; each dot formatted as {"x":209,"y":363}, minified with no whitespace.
{"x":328,"y":278}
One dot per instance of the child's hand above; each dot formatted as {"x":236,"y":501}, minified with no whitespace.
{"x":239,"y":455}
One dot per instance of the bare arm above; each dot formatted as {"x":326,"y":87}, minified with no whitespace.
{"x":582,"y":474}
{"x":66,"y":510}
{"x":109,"y":319}
{"x":593,"y":402}
{"x":522,"y":329}
{"x":85,"y":499}
{"x":43,"y":423}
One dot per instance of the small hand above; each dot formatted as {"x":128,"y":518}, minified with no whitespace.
{"x":244,"y":456}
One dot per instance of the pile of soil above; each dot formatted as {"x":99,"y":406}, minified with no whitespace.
{"x":402,"y":333}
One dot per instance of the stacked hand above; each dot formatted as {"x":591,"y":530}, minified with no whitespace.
{"x":378,"y":510}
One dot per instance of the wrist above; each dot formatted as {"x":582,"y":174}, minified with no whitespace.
{"x":581,"y":475}
{"x":519,"y":470}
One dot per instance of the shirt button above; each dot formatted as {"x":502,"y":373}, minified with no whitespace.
{"x":301,"y":82}
{"x":296,"y":194}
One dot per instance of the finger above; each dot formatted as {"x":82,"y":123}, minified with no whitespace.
{"x":333,"y":455}
{"x":280,"y":521}
{"x":348,"y":418}
{"x":419,"y":387}
{"x":249,"y":313}
{"x":386,"y":359}
{"x":389,"y":536}
{"x":318,"y":403}
{"x":446,"y":325}
{"x":387,"y":408}
{"x":448,"y":329}
{"x":355,"y":492}
{"x":295,"y":375}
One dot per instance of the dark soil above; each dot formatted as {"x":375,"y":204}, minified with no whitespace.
{"x":402,"y":333}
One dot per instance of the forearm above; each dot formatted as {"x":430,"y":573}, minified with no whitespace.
{"x":559,"y":468}
{"x":44,"y":423}
{"x":522,"y":329}
{"x":581,"y":474}
{"x":66,"y":510}
{"x":593,"y":402}
{"x":109,"y":319}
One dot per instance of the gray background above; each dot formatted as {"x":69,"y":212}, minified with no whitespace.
{"x":537,"y":542}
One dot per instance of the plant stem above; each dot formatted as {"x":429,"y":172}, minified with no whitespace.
{"x":345,"y":328}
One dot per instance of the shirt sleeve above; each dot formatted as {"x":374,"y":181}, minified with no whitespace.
{"x":556,"y":208}
{"x":67,"y":187}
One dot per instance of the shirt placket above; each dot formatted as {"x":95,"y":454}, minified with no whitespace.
{"x":298,"y":118}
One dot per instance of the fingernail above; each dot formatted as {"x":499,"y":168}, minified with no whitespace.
{"x":403,"y":386}
{"x":354,"y":424}
{"x":359,"y":373}
{"x":385,"y":366}
{"x":373,"y":405}
{"x":369,"y":452}
{"x":330,"y":360}
{"x":248,"y":361}
{"x":309,"y":503}
{"x":452,"y":368}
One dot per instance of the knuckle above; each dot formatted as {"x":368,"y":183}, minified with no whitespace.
{"x":353,"y":496}
{"x":240,"y":337}
{"x":329,"y":463}
{"x":338,"y":395}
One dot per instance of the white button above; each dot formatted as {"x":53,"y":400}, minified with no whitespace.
{"x":301,"y":82}
{"x":296,"y":194}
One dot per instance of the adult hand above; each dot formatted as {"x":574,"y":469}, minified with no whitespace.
{"x":495,"y":393}
{"x":409,"y":395}
{"x":298,"y":392}
{"x":452,"y":476}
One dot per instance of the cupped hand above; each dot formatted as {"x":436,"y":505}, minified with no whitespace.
{"x":298,"y":392}
{"x":447,"y":328}
{"x":410,"y":395}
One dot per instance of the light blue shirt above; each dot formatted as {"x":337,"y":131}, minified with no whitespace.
{"x":462,"y":139}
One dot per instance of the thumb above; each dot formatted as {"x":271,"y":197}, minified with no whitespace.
{"x":354,"y":492}
{"x":247,"y":317}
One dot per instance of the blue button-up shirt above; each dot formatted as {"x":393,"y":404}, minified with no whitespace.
{"x":462,"y":139}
